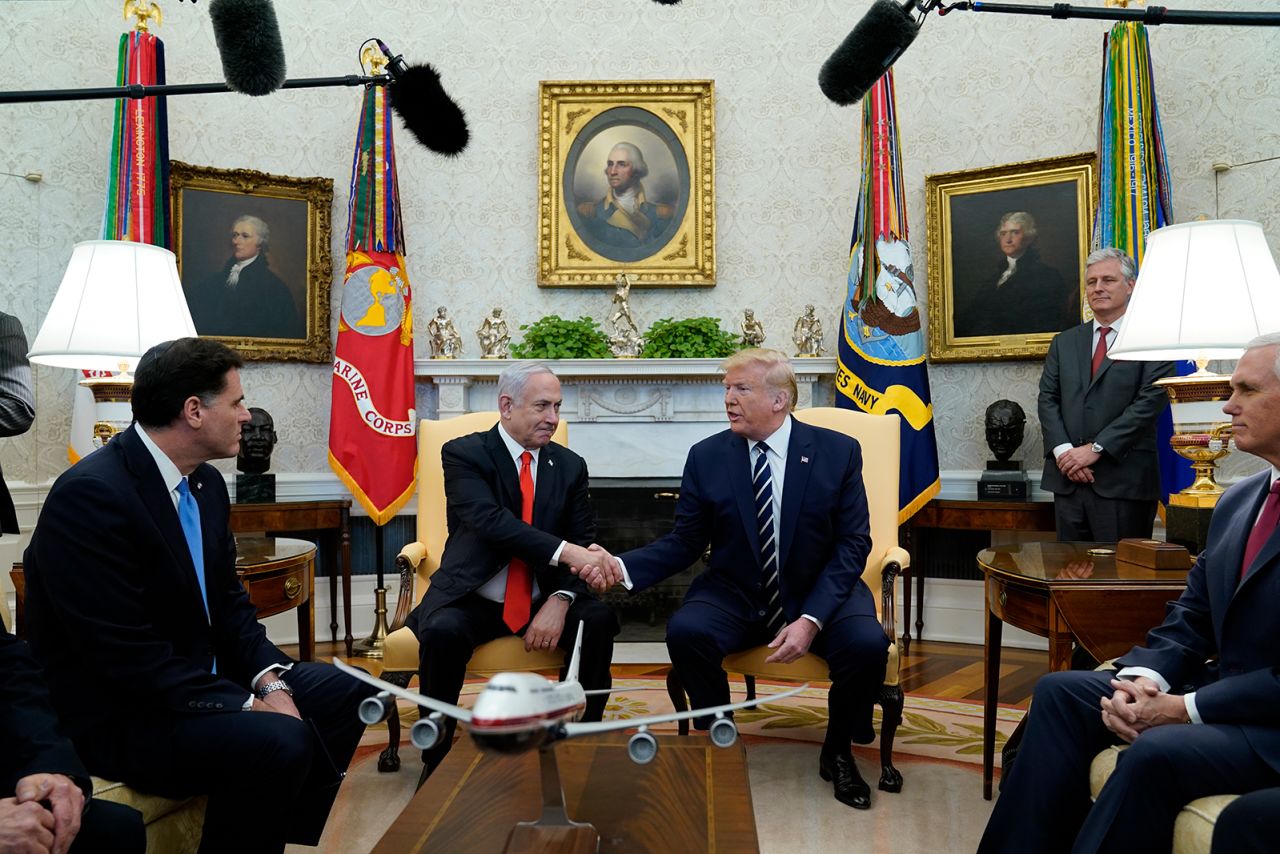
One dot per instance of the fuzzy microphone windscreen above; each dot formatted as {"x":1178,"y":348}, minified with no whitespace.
{"x":248,"y":37}
{"x":867,"y":52}
{"x":427,"y":111}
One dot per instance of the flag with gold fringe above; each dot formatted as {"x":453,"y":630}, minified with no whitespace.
{"x":1134,"y":194}
{"x":880,"y":363}
{"x":372,"y":423}
{"x":137,"y":205}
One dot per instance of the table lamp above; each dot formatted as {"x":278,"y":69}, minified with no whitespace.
{"x":1204,"y":291}
{"x":117,"y":299}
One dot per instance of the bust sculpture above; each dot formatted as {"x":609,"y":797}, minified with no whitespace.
{"x":1005,"y":423}
{"x":257,"y":441}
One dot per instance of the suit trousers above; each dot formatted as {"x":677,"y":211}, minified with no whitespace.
{"x":110,"y":828}
{"x":1249,"y":825}
{"x":450,"y":634}
{"x":1045,"y":804}
{"x":1084,"y":516}
{"x":700,"y":635}
{"x":270,"y":778}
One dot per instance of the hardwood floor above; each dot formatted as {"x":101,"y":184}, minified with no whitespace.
{"x":935,"y":669}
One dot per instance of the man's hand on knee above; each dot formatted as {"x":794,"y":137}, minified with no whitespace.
{"x":792,"y":642}
{"x":26,"y":828}
{"x":66,"y":802}
{"x":547,"y":625}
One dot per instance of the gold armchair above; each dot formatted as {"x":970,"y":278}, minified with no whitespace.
{"x":418,"y":560}
{"x":880,"y":440}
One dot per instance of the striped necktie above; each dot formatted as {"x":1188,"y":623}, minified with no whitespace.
{"x":762,"y":485}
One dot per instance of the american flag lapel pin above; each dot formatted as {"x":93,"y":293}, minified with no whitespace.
{"x":804,"y":459}
{"x":551,"y":462}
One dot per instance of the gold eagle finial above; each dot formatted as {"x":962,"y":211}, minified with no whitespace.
{"x":144,"y":11}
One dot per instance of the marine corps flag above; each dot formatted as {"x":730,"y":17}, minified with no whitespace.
{"x":372,"y":422}
{"x":1134,"y":195}
{"x":880,"y":364}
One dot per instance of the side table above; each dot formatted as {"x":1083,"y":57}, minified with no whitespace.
{"x":279,"y":574}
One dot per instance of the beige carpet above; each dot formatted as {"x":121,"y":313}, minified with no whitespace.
{"x":938,"y":751}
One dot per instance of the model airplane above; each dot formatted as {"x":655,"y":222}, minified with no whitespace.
{"x":522,"y":711}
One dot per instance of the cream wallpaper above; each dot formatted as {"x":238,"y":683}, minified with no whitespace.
{"x":974,"y":90}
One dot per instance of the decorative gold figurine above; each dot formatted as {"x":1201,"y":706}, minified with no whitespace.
{"x":808,"y":334}
{"x":494,"y":336}
{"x":752,"y":329}
{"x":144,"y":11}
{"x":626,"y":341}
{"x":446,"y":343}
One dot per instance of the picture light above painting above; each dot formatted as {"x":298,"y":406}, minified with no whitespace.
{"x":253,"y":254}
{"x":1007,"y":246}
{"x":626,"y":178}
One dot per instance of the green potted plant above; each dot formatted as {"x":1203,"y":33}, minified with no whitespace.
{"x":693,"y":338}
{"x":553,"y":337}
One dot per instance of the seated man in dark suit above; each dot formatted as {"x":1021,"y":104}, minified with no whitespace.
{"x":1198,"y":703}
{"x":156,"y":662}
{"x":43,"y":785}
{"x":518,"y":510}
{"x":783,"y":508}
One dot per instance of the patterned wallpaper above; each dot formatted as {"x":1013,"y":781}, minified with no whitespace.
{"x":974,"y":90}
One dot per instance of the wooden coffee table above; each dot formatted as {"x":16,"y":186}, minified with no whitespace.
{"x":691,"y":797}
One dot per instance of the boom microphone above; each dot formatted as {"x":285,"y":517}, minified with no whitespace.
{"x":425,"y":108}
{"x":248,"y":37}
{"x":866,"y":53}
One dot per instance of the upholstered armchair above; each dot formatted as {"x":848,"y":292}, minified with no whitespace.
{"x":880,"y":440}
{"x":419,"y":559}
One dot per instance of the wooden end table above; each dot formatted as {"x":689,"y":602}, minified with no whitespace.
{"x":1060,"y":592}
{"x":279,"y":574}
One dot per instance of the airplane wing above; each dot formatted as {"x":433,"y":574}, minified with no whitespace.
{"x":575,"y":729}
{"x":434,"y":705}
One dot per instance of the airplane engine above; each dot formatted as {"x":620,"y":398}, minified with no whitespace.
{"x":376,"y":709}
{"x":427,"y":731}
{"x":642,"y":747}
{"x":723,"y":732}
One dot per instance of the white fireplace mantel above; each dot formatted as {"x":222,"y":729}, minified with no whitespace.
{"x":628,"y":417}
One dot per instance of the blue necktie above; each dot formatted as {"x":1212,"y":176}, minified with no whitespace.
{"x":189,"y":516}
{"x":762,"y":485}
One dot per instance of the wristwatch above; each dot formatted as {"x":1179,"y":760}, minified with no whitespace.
{"x":271,"y":687}
{"x":1097,"y":449}
{"x":563,"y":595}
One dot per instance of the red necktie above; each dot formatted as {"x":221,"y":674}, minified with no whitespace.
{"x":1100,"y":352}
{"x":519,"y":597}
{"x":1263,"y":530}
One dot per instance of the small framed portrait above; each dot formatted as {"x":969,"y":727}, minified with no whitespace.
{"x":626,"y":174}
{"x":253,"y":253}
{"x":1007,"y":246}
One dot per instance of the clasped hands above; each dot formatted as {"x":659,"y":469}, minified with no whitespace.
{"x":594,"y":565}
{"x":1139,"y":705}
{"x":1076,"y":463}
{"x":27,"y":825}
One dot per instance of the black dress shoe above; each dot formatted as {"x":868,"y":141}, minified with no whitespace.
{"x":850,"y":788}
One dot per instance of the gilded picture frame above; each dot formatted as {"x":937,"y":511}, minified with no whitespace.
{"x":274,"y":307}
{"x":982,"y":305}
{"x":661,"y":133}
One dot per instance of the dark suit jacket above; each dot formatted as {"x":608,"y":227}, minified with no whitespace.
{"x":1219,"y":616}
{"x":825,"y":530}
{"x":17,"y":402}
{"x":30,"y":742}
{"x":113,"y":603}
{"x":260,"y":306}
{"x":482,"y":499}
{"x":1118,"y":409}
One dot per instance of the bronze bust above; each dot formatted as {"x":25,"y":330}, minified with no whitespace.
{"x":1005,"y":423}
{"x":257,"y":440}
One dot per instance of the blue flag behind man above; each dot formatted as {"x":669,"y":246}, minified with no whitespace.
{"x":880,"y":363}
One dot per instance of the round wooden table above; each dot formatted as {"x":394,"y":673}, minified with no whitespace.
{"x":279,"y":574}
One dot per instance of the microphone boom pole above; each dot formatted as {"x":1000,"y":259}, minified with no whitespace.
{"x":1151,"y":15}
{"x":138,"y":91}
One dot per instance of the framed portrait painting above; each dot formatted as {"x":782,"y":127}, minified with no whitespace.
{"x":1007,"y":246}
{"x":626,"y":177}
{"x":254,"y":257}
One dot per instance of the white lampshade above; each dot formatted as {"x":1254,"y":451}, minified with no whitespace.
{"x":1205,"y":289}
{"x":117,"y":300}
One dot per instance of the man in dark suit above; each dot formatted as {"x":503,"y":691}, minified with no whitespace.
{"x":43,"y":785}
{"x":783,"y":508}
{"x":17,"y":402}
{"x":156,"y":663}
{"x":518,"y":510}
{"x":1198,"y":703}
{"x":1098,"y":418}
{"x":246,"y":298}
